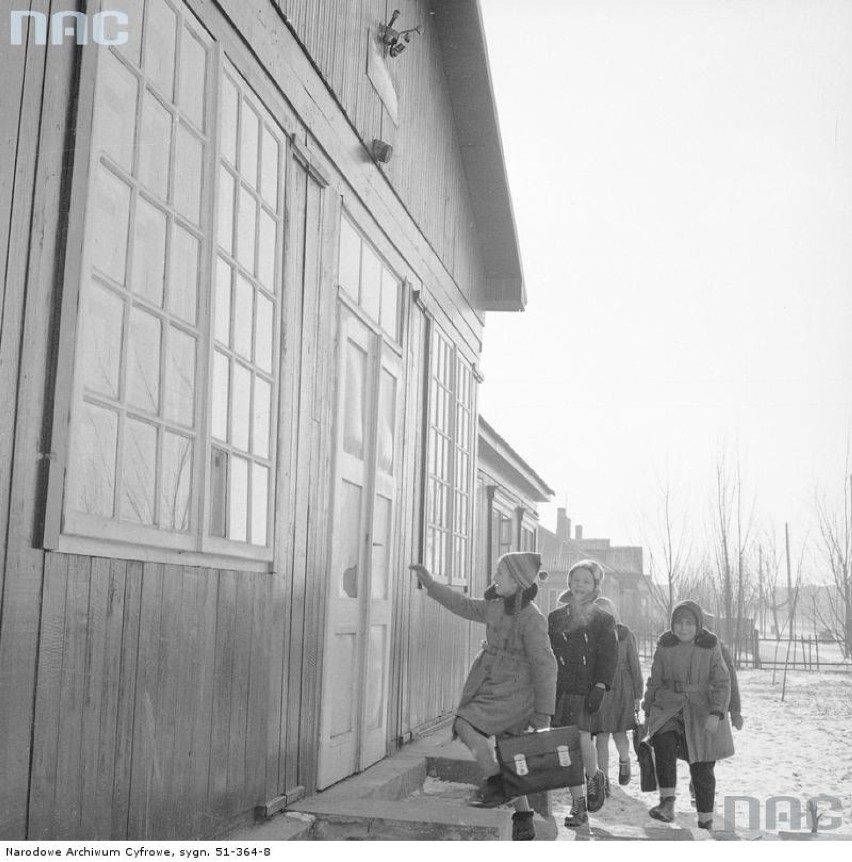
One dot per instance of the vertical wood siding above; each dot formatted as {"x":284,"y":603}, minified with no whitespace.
{"x":31,"y":190}
{"x":426,"y":170}
{"x":153,"y":704}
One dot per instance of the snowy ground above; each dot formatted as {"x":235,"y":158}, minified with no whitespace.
{"x":799,"y":748}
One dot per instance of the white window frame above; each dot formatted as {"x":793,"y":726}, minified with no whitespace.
{"x":449,"y":534}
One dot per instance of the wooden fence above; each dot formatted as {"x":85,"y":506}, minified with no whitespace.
{"x":805,"y":652}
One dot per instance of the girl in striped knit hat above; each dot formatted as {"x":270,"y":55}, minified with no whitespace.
{"x":511,"y":685}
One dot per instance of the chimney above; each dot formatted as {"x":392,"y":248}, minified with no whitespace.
{"x":578,"y":532}
{"x":563,"y":524}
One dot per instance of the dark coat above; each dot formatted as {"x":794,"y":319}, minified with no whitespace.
{"x":587,"y":653}
{"x":617,"y":711}
{"x":703,"y":689}
{"x":514,"y":674}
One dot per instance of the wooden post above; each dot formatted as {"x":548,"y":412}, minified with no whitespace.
{"x":790,"y":605}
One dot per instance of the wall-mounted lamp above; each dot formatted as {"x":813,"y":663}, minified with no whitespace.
{"x":382,"y":151}
{"x":396,"y":40}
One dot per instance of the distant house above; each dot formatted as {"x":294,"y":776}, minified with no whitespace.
{"x":507,"y":491}
{"x":247,"y":256}
{"x":624,"y":581}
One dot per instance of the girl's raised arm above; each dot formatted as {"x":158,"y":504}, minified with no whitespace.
{"x":461,"y":606}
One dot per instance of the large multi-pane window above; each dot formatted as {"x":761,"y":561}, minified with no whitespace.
{"x":176,"y":358}
{"x":450,"y":461}
{"x":245,"y":317}
{"x":368,"y":280}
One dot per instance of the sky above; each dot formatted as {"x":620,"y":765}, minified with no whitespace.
{"x":681,"y":174}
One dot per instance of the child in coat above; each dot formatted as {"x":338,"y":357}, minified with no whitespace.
{"x":686,"y":703}
{"x":620,"y":706}
{"x":511,"y":685}
{"x":582,"y":635}
{"x":735,"y":709}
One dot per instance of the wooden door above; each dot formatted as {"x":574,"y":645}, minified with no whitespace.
{"x":355,"y":673}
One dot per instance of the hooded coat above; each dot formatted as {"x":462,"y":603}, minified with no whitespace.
{"x":691,"y":680}
{"x":514,"y":674}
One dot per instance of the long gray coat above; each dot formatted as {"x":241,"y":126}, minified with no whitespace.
{"x":514,"y":675}
{"x":703,"y":690}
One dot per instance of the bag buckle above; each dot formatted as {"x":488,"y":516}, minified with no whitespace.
{"x":521,"y":767}
{"x":564,"y":755}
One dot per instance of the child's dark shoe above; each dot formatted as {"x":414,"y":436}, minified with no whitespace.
{"x":623,"y":772}
{"x":523,"y":828}
{"x":491,"y":793}
{"x":665,"y":810}
{"x":706,"y":824}
{"x":578,"y":815}
{"x":595,"y":792}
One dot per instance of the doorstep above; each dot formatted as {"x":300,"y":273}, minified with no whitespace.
{"x":386,"y":802}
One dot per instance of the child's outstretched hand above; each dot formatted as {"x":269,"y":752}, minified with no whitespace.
{"x":422,"y":574}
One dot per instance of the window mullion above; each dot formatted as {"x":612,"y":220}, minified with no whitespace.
{"x":451,"y":518}
{"x":210,"y":191}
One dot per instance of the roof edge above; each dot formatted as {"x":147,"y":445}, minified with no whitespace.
{"x":461,"y":34}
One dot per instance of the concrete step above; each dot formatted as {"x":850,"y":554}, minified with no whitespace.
{"x":281,"y":827}
{"x":417,"y":819}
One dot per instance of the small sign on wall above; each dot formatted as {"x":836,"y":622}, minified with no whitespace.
{"x":377,"y":72}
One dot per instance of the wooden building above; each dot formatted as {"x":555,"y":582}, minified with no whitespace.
{"x":238,"y":362}
{"x":507,"y":491}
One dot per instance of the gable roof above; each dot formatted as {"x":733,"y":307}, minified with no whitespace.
{"x":465,"y":59}
{"x":492,"y":447}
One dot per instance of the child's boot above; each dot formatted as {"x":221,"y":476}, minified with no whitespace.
{"x":665,"y":810}
{"x":624,"y":772}
{"x":705,"y":821}
{"x":491,"y":793}
{"x":578,"y":815}
{"x":523,"y":828}
{"x":595,"y":792}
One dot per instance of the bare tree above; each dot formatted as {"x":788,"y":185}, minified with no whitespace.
{"x":770,"y":600}
{"x":670,"y":554}
{"x":732,"y":531}
{"x":836,"y":544}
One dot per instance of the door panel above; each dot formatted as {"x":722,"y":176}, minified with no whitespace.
{"x":383,"y":546}
{"x":355,"y":688}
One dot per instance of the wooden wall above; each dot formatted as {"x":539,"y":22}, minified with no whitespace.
{"x":426,"y":170}
{"x":34,"y":140}
{"x":157,"y":710}
{"x":162,"y":701}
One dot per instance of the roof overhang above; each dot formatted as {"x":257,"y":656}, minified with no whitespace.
{"x":512,"y":466}
{"x":465,"y":59}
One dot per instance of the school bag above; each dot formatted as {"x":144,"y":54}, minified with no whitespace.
{"x":541,"y":760}
{"x":645,"y":758}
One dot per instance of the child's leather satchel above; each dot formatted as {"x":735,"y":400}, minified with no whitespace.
{"x":542,"y":760}
{"x":645,"y":757}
